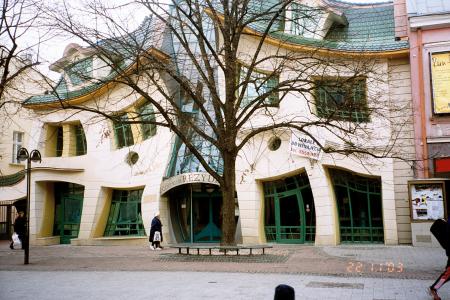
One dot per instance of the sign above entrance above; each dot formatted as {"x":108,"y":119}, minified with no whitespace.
{"x":196,"y":177}
{"x":303,"y":145}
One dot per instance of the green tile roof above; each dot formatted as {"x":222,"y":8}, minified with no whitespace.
{"x":12,"y":179}
{"x":139,"y":39}
{"x":370,"y":28}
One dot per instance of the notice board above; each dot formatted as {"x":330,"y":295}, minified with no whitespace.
{"x":426,"y":199}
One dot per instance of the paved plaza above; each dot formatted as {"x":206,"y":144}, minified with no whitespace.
{"x":135,"y":272}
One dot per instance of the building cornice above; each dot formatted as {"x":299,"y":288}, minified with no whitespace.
{"x":429,"y":21}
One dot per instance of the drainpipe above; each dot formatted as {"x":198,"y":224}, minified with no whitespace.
{"x":422,"y":106}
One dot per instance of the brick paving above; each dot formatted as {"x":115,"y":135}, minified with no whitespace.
{"x":401,"y":262}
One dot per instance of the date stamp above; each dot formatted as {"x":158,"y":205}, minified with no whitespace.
{"x":363,"y":267}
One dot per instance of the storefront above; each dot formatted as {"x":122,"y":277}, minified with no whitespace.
{"x":289,"y":214}
{"x":359,"y":207}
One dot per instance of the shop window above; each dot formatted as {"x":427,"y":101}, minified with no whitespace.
{"x":81,"y":146}
{"x":17,"y":144}
{"x":342,"y":99}
{"x":123,"y":133}
{"x":259,"y":84}
{"x":147,"y":115}
{"x":359,"y":207}
{"x":125,"y":214}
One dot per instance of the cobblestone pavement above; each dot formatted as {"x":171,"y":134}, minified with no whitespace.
{"x":400,"y":262}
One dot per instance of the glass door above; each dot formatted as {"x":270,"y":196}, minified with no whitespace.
{"x":206,"y":217}
{"x":70,"y":212}
{"x":290,"y":218}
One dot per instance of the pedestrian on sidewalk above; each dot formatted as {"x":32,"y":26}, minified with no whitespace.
{"x":20,"y":229}
{"x":441,"y":230}
{"x":284,"y":292}
{"x":156,"y":233}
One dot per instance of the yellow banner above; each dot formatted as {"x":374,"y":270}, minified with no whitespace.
{"x":440,"y":77}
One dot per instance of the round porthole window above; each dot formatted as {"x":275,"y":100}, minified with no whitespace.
{"x":274,"y":143}
{"x":132,"y":158}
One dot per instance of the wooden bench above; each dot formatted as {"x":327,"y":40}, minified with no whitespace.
{"x":223,"y":249}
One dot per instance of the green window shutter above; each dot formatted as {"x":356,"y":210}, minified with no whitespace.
{"x":147,"y":114}
{"x":123,"y":132}
{"x":59,"y":141}
{"x":81,"y":146}
{"x":342,"y":99}
{"x":259,"y":84}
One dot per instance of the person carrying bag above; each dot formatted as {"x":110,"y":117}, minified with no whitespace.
{"x":156,"y":237}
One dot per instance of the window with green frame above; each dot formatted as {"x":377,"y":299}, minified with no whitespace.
{"x":259,"y":84}
{"x":304,"y":19}
{"x":125,"y":216}
{"x":342,"y":99}
{"x":147,"y":115}
{"x":59,"y":141}
{"x":123,"y":133}
{"x":359,"y":206}
{"x":81,"y":146}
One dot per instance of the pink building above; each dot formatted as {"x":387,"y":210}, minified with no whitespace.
{"x":426,"y":24}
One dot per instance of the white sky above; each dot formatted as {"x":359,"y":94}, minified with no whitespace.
{"x":51,"y":51}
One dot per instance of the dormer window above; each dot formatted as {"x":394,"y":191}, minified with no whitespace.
{"x":312,"y":21}
{"x":80,"y":72}
{"x":305,"y":20}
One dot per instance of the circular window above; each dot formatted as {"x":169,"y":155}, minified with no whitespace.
{"x":274,"y":143}
{"x":132,"y":158}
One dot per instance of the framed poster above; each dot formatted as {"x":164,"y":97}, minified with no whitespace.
{"x":427,"y":200}
{"x":440,"y":81}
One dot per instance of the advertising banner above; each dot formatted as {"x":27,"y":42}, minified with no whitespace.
{"x":303,"y":145}
{"x":440,"y":79}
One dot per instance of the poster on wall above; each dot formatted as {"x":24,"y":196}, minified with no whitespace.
{"x":440,"y":81}
{"x":303,"y":145}
{"x":427,"y":200}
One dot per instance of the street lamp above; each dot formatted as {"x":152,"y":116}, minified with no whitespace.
{"x":35,"y":156}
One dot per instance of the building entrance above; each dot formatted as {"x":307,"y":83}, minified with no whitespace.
{"x":289,"y":210}
{"x":195,"y":212}
{"x":68,"y":207}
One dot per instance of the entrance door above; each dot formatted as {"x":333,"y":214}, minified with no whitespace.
{"x":206,"y":217}
{"x":290,"y":219}
{"x":69,"y":217}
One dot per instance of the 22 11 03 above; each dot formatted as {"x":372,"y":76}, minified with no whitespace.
{"x":388,"y":267}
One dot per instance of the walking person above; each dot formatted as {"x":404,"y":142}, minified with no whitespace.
{"x":156,"y":233}
{"x":20,"y":229}
{"x":441,"y":230}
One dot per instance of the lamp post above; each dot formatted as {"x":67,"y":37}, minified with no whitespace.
{"x":35,"y":156}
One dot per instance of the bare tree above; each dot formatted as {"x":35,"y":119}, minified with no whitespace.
{"x":218,"y":74}
{"x":17,"y":52}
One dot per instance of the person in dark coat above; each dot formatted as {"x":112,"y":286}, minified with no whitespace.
{"x":445,"y":276}
{"x":156,"y":226}
{"x":20,"y":229}
{"x":284,"y":292}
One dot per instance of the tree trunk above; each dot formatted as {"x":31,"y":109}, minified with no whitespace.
{"x":228,"y":192}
